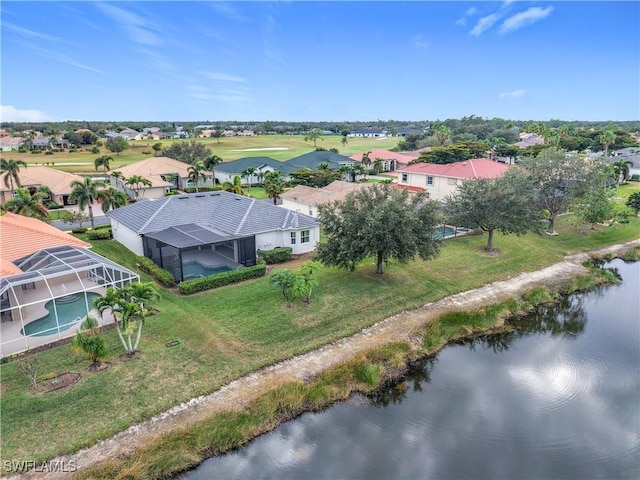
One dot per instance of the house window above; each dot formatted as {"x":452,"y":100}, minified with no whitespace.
{"x":304,"y":236}
{"x":310,"y":210}
{"x":429,"y":180}
{"x":293,"y":238}
{"x":405,"y":177}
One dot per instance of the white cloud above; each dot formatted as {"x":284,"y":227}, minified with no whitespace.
{"x":228,"y":11}
{"x":9,"y":113}
{"x":484,"y":24}
{"x":513,"y":94}
{"x":462,"y":21}
{"x":522,"y":19}
{"x":419,"y":41}
{"x":472,"y":11}
{"x":225,"y":77}
{"x":136,"y":27}
{"x":29,"y":33}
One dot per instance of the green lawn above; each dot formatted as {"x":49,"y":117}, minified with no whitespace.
{"x":228,"y":332}
{"x":230,"y":148}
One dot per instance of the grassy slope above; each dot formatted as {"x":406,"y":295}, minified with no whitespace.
{"x":230,"y":331}
{"x":227,"y":149}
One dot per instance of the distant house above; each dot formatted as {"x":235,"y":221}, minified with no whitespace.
{"x":40,"y":143}
{"x":403,"y":132}
{"x":631,"y":155}
{"x":129,"y":134}
{"x":34,"y":177}
{"x":529,"y":139}
{"x":390,"y":160}
{"x":203,"y":233}
{"x":151,"y":130}
{"x":312,"y":160}
{"x":369,"y":133}
{"x":225,"y":171}
{"x":164,"y":174}
{"x":441,"y":180}
{"x":48,"y":280}
{"x":8,"y":144}
{"x":306,"y":199}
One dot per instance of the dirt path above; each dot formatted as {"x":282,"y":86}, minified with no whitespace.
{"x":240,"y":392}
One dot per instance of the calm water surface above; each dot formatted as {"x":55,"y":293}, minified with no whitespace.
{"x":559,"y":398}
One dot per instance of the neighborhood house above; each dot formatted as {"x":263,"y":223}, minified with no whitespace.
{"x":306,"y":199}
{"x":34,"y":177}
{"x":200,"y":234}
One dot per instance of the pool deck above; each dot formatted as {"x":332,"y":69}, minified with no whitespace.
{"x":12,"y":341}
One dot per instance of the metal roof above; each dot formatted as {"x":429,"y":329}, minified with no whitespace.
{"x":190,"y":235}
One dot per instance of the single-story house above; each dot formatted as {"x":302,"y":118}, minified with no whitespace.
{"x":312,"y":160}
{"x":441,"y":180}
{"x":164,"y":173}
{"x":369,"y":133}
{"x":306,"y":199}
{"x":225,"y":171}
{"x":34,"y":177}
{"x":529,"y":139}
{"x":8,"y":144}
{"x":390,"y":160}
{"x":48,"y":280}
{"x":203,"y":233}
{"x":41,"y":143}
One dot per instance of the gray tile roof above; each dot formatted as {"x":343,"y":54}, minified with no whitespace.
{"x":311,"y":160}
{"x":237,"y":166}
{"x":220,"y":212}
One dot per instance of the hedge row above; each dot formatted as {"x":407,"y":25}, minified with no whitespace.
{"x":220,"y":279}
{"x":79,"y":230}
{"x":277,"y":255}
{"x":104,"y":234}
{"x":160,"y":274}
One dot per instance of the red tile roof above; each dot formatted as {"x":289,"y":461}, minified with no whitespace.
{"x":475,"y":168}
{"x":385,"y":155}
{"x":21,"y":236}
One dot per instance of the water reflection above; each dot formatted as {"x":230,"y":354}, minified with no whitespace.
{"x":555,"y":398}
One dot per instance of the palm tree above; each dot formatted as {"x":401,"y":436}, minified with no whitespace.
{"x":249,"y":172}
{"x":138,"y":183}
{"x":27,"y":205}
{"x":344,"y":140}
{"x":442,"y":134}
{"x":366,"y":159}
{"x":377,"y":165}
{"x":621,"y":170}
{"x":274,"y":185}
{"x":309,"y":278}
{"x":11,"y":168}
{"x":606,"y":138}
{"x":358,"y":169}
{"x":233,"y":187}
{"x":103,"y":162}
{"x":194,"y":172}
{"x":144,"y":294}
{"x":85,"y":192}
{"x":112,"y":198}
{"x":118,"y":177}
{"x":210,"y":162}
{"x":93,"y":346}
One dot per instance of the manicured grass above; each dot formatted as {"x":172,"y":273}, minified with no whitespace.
{"x":228,"y":149}
{"x":234,"y":330}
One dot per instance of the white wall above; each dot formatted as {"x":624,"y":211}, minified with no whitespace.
{"x":442,"y":186}
{"x":300,"y":207}
{"x":127,"y":237}
{"x":282,"y":238}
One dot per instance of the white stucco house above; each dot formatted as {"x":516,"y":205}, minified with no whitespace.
{"x":210,"y":231}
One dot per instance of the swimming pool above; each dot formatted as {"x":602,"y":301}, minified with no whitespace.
{"x":445,"y":231}
{"x":193,"y":269}
{"x":71,"y":309}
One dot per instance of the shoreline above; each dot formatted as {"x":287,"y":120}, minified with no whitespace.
{"x":240,"y":393}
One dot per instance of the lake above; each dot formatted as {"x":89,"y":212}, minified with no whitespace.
{"x":557,"y":398}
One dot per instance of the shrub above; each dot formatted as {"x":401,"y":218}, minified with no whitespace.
{"x":95,"y":150}
{"x":100,"y":235}
{"x":277,"y":255}
{"x":79,"y":230}
{"x":48,"y":152}
{"x":102,"y":227}
{"x":22,"y":150}
{"x":220,"y":279}
{"x":53,"y":205}
{"x":201,"y":189}
{"x":35,"y":152}
{"x":160,"y":274}
{"x":635,"y":178}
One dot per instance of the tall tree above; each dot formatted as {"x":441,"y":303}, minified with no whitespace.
{"x":111,"y":198}
{"x":248,"y":173}
{"x":217,"y":133}
{"x":344,"y":140}
{"x":11,"y":171}
{"x":377,"y":165}
{"x":442,"y":134}
{"x":621,"y":170}
{"x":633,"y":202}
{"x":313,"y":135}
{"x":116,"y":144}
{"x":366,"y":159}
{"x":103,"y":162}
{"x":559,"y":179}
{"x":606,"y":138}
{"x":273,"y":185}
{"x":234,"y":187}
{"x":194,"y":172}
{"x":27,"y":205}
{"x":211,"y":162}
{"x":506,"y":204}
{"x":596,"y":205}
{"x":379,"y":221}
{"x":85,"y":192}
{"x":189,"y":151}
{"x":138,"y":184}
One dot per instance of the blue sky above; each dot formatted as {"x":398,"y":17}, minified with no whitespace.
{"x":305,"y":61}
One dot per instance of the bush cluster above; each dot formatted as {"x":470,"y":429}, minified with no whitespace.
{"x":201,"y":189}
{"x":277,"y":255}
{"x":53,"y":205}
{"x":104,"y":234}
{"x":220,"y":279}
{"x":79,"y":230}
{"x":160,"y":274}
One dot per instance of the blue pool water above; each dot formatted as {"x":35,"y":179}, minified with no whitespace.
{"x":195,"y":269}
{"x":447,"y":231}
{"x":69,"y":309}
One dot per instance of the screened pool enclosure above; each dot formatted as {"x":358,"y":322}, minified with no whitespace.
{"x":53,"y":295}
